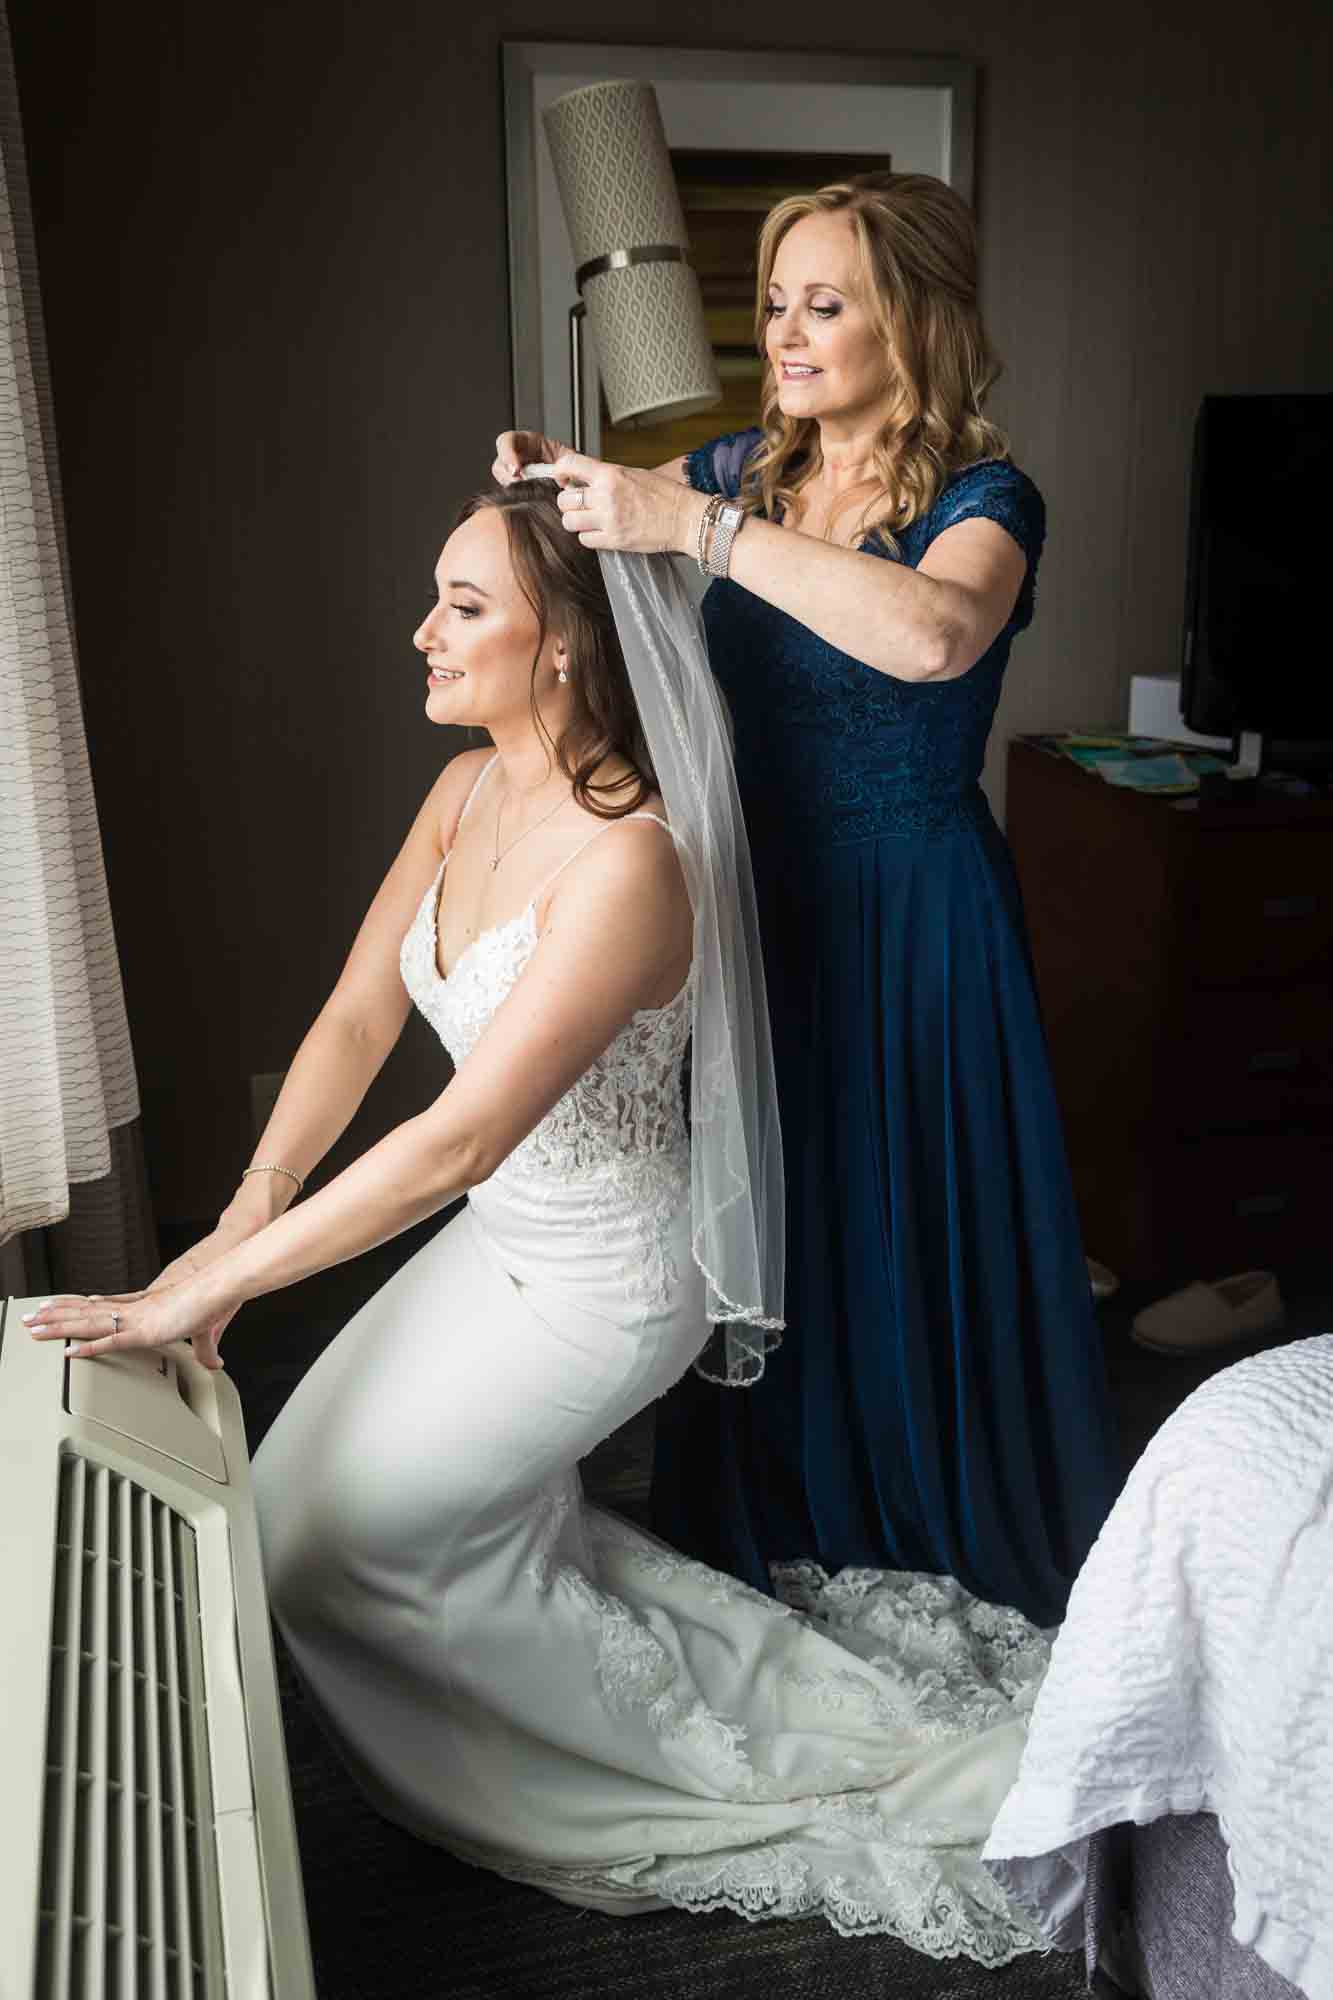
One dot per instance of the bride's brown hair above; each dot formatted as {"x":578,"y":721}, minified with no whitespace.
{"x":563,"y":583}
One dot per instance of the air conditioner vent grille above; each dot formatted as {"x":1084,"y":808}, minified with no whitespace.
{"x":128,"y":1902}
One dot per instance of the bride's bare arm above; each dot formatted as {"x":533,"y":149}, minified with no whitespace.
{"x":353,"y":1032}
{"x":572,"y":998}
{"x":616,"y":938}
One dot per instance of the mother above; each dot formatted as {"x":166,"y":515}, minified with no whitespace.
{"x":939,"y":1403}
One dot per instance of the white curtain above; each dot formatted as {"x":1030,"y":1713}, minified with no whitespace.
{"x":66,"y":1069}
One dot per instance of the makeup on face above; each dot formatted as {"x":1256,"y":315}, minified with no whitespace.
{"x":826,"y":354}
{"x":480,"y":634}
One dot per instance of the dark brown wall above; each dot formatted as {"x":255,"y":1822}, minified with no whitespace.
{"x":273,"y":257}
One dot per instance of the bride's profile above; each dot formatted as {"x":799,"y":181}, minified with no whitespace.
{"x":527,"y":1681}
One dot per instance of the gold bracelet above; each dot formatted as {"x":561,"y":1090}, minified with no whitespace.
{"x":270,"y":1167}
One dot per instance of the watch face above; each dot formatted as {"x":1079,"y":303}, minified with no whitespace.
{"x":719,"y":553}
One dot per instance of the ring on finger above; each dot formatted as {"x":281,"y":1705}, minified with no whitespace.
{"x":115,"y":1324}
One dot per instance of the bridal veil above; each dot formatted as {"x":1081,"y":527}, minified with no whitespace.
{"x":737,"y":1209}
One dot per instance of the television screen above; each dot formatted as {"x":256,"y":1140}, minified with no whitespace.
{"x":1257,"y":633}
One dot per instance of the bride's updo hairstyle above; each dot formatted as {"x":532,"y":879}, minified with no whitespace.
{"x":563,"y":583}
{"x":916,"y":244}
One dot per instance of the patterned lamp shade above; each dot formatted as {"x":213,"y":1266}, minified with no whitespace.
{"x":631,"y":251}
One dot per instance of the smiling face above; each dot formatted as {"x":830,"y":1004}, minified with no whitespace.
{"x":481,"y":635}
{"x":825,"y":349}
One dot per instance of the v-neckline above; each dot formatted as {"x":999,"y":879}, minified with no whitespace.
{"x":442,"y":979}
{"x":436,"y":894}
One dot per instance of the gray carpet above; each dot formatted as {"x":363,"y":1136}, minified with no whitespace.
{"x":393,"y":1919}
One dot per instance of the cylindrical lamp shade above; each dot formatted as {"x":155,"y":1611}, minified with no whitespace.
{"x":619,"y":196}
{"x":652,"y":350}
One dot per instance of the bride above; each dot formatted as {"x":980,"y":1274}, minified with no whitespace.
{"x":525,"y":1680}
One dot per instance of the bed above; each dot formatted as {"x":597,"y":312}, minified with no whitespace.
{"x":1173,"y":1813}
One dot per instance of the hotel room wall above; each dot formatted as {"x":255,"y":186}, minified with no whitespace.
{"x":274,"y":273}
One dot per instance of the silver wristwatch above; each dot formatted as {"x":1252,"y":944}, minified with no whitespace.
{"x":729,"y":522}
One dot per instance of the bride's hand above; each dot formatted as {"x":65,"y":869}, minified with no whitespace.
{"x":515,"y":449}
{"x":623,"y":507}
{"x":198,"y":1257}
{"x":196,"y":1310}
{"x":225,"y":1235}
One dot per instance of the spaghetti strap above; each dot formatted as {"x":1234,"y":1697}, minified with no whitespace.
{"x":654,"y":817}
{"x":477,"y":784}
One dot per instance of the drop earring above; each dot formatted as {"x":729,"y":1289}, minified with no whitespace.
{"x":562,"y":676}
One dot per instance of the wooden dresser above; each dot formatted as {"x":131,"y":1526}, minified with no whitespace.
{"x":1184,"y":955}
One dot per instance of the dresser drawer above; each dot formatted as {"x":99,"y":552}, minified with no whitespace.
{"x":1261,"y":908}
{"x":1244,"y":1202}
{"x":1246,"y":1060}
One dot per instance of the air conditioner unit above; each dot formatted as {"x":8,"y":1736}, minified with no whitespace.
{"x":147,"y":1846}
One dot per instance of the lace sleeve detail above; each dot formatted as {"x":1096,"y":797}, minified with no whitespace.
{"x":997,"y":491}
{"x":716,"y":467}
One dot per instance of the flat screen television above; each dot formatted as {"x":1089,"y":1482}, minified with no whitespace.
{"x":1258,"y":650}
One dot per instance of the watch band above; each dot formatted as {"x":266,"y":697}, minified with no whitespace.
{"x":730,"y":521}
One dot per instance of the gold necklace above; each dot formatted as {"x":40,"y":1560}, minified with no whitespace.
{"x":501,"y":852}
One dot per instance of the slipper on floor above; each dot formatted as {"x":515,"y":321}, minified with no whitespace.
{"x":1199,"y":1316}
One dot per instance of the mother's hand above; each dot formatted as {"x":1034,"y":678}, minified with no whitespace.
{"x":623,"y":507}
{"x":515,"y":449}
{"x":194,"y":1310}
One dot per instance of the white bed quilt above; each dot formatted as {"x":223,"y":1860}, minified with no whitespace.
{"x":1194,"y":1670}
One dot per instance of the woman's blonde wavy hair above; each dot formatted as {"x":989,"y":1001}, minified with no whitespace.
{"x":917,"y":248}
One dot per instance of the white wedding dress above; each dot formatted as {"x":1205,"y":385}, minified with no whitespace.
{"x":541,"y":1687}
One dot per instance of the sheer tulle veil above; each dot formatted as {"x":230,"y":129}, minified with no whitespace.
{"x":737,"y":1200}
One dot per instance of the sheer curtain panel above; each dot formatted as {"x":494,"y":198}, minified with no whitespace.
{"x":67,"y":1080}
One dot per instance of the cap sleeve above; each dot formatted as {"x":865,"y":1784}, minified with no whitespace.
{"x":716,"y":467}
{"x":997,"y":491}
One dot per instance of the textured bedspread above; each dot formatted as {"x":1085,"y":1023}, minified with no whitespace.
{"x":1192,"y":1673}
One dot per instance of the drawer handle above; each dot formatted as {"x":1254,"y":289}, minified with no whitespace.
{"x":1279,"y":909}
{"x":1262,"y":1204}
{"x":1269,"y":1062}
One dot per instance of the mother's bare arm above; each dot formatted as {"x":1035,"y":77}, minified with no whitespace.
{"x":933,"y":622}
{"x":928,"y":623}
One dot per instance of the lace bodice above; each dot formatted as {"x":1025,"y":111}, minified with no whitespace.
{"x":626,"y":1105}
{"x":828,"y":750}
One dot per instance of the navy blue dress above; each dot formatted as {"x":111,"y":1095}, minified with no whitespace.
{"x":939,"y":1401}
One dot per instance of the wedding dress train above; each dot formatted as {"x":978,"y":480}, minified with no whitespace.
{"x":538,"y":1686}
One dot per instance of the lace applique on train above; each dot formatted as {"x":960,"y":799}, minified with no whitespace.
{"x":908,"y":1877}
